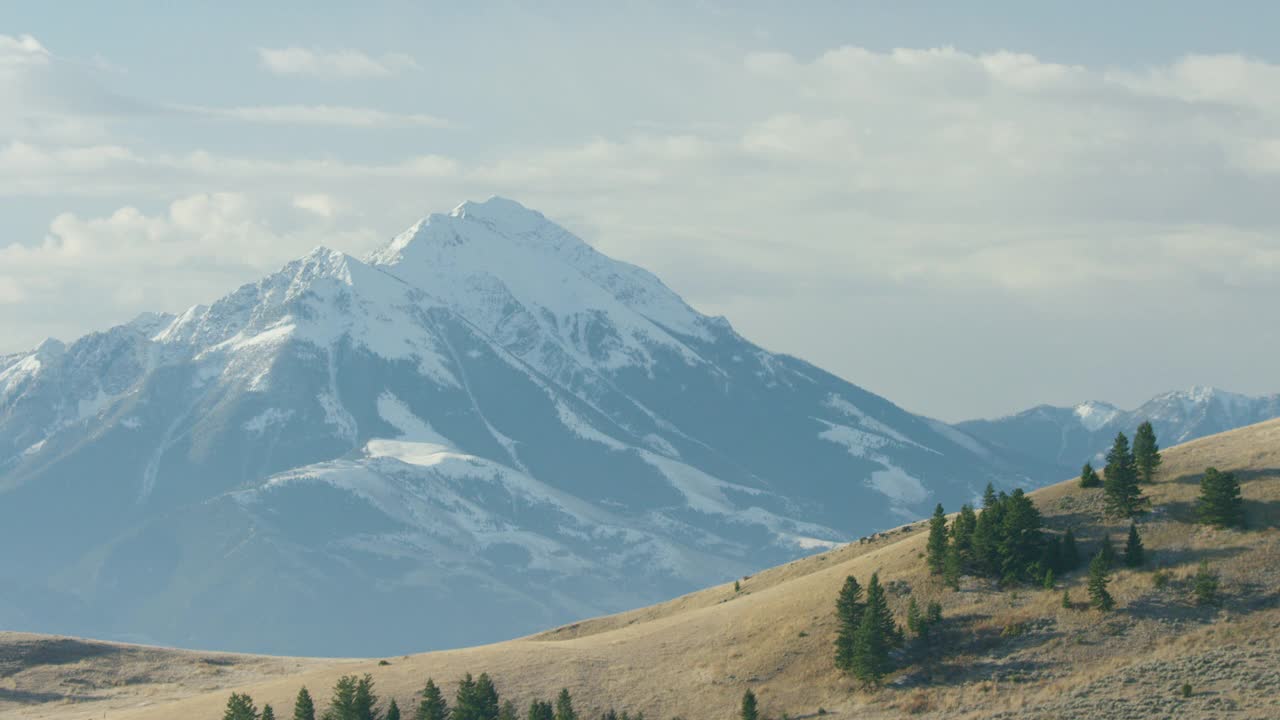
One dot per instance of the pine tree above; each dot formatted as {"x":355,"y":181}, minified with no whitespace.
{"x":1134,"y":553}
{"x":1089,"y":477}
{"x":1099,"y":576}
{"x":951,"y":567}
{"x":393,"y":710}
{"x":508,"y":711}
{"x":1049,"y":579}
{"x":962,"y":533}
{"x":304,"y":708}
{"x":1107,"y":552}
{"x":564,"y":706}
{"x":1051,"y":555}
{"x":1146,"y":453}
{"x":433,"y":705}
{"x":540,"y":710}
{"x":269,"y":713}
{"x":366,"y":701}
{"x":487,"y":698}
{"x":849,"y":608}
{"x":915,"y":623}
{"x":877,"y":634}
{"x":342,"y":706}
{"x":1123,"y":498}
{"x":1068,"y":554}
{"x":1220,"y":502}
{"x":937,"y":546}
{"x":933,"y":614}
{"x":1022,"y":538}
{"x":240,"y":707}
{"x":749,"y":709}
{"x":988,"y":532}
{"x":1205,"y":585}
{"x":1066,"y":599}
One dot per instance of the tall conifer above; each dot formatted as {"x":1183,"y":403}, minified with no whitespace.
{"x":342,"y":705}
{"x":936,"y":547}
{"x":877,"y":634}
{"x":750,"y":711}
{"x":564,"y":706}
{"x":433,"y":705}
{"x":1146,"y":453}
{"x":240,"y":707}
{"x":1099,"y":577}
{"x":1220,"y":502}
{"x":366,"y":701}
{"x":304,"y":708}
{"x":541,"y":710}
{"x":1134,"y":553}
{"x":849,"y":608}
{"x":1069,"y":554}
{"x":1089,"y":477}
{"x":1123,"y":498}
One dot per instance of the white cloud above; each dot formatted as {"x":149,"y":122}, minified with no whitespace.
{"x":317,"y":204}
{"x":101,"y":270}
{"x":870,"y":191}
{"x":333,"y":64}
{"x":332,"y":115}
{"x":28,"y":169}
{"x":21,"y":50}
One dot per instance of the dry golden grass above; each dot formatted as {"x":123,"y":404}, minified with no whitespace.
{"x":1016,"y":653}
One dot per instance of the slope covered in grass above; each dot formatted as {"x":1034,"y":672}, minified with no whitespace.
{"x":1010,"y":653}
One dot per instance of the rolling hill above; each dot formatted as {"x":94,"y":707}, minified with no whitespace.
{"x":1009,"y":654}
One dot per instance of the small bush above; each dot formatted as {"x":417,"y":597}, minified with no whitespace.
{"x":1161,"y":579}
{"x":1186,"y":690}
{"x":1012,"y":630}
{"x":804,"y":634}
{"x":384,"y":662}
{"x":919,"y":703}
{"x":1205,"y":586}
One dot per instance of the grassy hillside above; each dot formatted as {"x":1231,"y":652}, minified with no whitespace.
{"x":1014,"y":653}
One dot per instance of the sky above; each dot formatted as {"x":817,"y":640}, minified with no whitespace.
{"x":969,"y":208}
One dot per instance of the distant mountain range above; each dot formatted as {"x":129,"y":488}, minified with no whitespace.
{"x":1071,"y":436}
{"x":482,"y":429}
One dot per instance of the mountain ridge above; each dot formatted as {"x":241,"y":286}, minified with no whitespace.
{"x":1071,"y":436}
{"x":488,"y":416}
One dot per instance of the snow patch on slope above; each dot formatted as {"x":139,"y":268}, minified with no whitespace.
{"x":270,"y":417}
{"x":960,"y":438}
{"x":1094,"y":415}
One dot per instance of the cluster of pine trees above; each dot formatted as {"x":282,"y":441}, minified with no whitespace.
{"x":476,"y":699}
{"x":1128,"y":468}
{"x":1006,"y":541}
{"x":868,"y":633}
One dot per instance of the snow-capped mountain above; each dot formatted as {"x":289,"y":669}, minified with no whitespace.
{"x":1071,"y":436}
{"x":484,"y":428}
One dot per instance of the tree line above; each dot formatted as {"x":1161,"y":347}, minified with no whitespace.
{"x":355,"y":698}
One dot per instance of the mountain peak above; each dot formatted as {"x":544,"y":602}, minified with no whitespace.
{"x":499,"y":211}
{"x":440,"y":237}
{"x":1095,"y":414}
